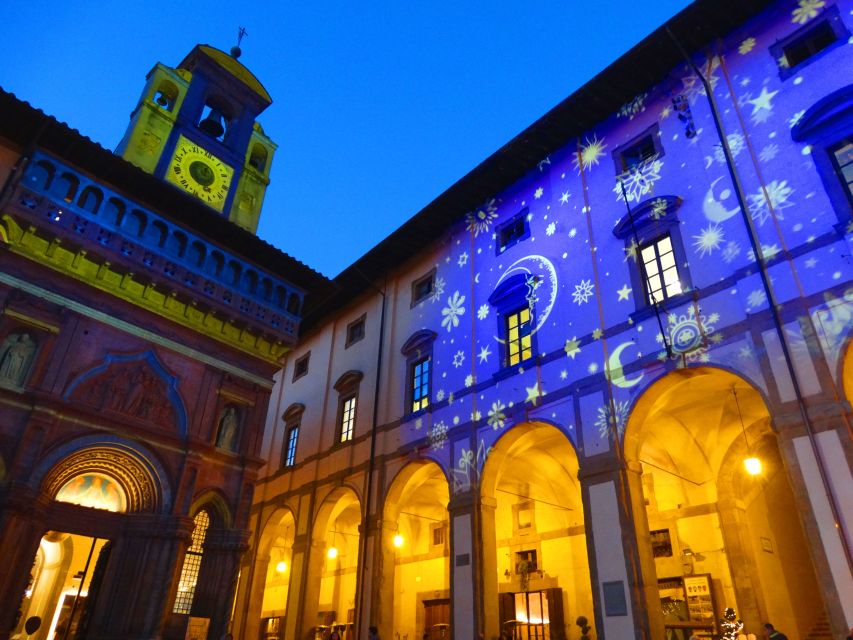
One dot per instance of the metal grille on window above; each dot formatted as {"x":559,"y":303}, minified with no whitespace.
{"x":518,"y":340}
{"x":420,"y":384}
{"x":192,"y":565}
{"x":348,"y":419}
{"x":661,"y":272}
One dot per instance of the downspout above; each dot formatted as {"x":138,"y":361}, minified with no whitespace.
{"x":371,"y":464}
{"x":771,"y":298}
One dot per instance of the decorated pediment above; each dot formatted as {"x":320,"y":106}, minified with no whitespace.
{"x":136,"y":386}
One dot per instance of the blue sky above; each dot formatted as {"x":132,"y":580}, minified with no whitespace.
{"x":377,"y":108}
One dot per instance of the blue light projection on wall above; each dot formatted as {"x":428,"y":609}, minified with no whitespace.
{"x":598,"y":343}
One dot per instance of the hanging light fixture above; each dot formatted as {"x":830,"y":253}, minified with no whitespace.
{"x":281,"y":567}
{"x":751,"y":463}
{"x":398,"y":541}
{"x":332,"y":552}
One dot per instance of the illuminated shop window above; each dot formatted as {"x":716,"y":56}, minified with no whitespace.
{"x":347,"y":418}
{"x":808,"y":43}
{"x":290,"y":446}
{"x":519,"y":345}
{"x":419,"y":381}
{"x":192,"y":565}
{"x":660,"y":270}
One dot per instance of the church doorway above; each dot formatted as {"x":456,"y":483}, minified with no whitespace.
{"x":62,"y":587}
{"x":533,"y":512}
{"x":721,"y":517}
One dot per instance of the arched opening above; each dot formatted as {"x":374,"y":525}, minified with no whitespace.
{"x":533,"y":511}
{"x":720,"y":535}
{"x":90,"y":199}
{"x":416,"y":555}
{"x":258,"y":157}
{"x":334,"y":565}
{"x":273,"y":569}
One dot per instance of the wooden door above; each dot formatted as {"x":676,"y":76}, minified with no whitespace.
{"x":437,"y":618}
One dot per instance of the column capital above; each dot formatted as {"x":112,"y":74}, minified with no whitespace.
{"x":601,"y":467}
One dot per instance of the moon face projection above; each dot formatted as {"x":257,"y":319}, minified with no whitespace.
{"x":713,"y":208}
{"x":617,"y":376}
{"x":542,"y":270}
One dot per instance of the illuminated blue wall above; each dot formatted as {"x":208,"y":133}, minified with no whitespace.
{"x":594,"y":334}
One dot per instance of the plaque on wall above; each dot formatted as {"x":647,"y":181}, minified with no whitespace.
{"x":700,"y":602}
{"x":614,"y":598}
{"x":197,"y":628}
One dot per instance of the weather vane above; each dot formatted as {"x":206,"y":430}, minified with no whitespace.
{"x":235,"y":50}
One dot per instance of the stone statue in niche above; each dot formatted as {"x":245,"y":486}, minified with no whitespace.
{"x":17,"y":355}
{"x":228,"y":427}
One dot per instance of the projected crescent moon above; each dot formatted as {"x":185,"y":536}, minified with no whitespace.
{"x":617,"y":377}
{"x":714,"y":209}
{"x":535,"y":265}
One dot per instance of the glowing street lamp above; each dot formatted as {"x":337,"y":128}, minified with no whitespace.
{"x":398,"y":541}
{"x":752,"y":466}
{"x":281,"y":567}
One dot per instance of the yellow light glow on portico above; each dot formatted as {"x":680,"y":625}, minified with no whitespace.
{"x":752,"y":466}
{"x":332,"y":553}
{"x":398,"y":541}
{"x":281,"y":567}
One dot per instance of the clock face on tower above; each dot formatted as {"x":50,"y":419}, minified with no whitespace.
{"x":197,"y":171}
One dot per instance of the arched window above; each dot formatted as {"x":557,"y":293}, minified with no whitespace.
{"x":40,"y":176}
{"x":90,"y":199}
{"x":192,"y":564}
{"x":258,"y":158}
{"x":65,"y":187}
{"x":166,"y":95}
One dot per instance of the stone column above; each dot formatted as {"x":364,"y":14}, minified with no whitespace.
{"x":473,"y":566}
{"x":813,"y":503}
{"x":622,"y":570}
{"x":21,"y":529}
{"x":217,"y":579}
{"x":138,"y":588}
{"x":295,"y":593}
{"x":381,"y":564}
{"x":316,"y":553}
{"x":251,"y":598}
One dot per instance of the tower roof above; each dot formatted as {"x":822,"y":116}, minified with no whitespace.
{"x":229,"y":64}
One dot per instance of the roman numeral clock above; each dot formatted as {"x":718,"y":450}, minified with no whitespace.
{"x":200,"y":173}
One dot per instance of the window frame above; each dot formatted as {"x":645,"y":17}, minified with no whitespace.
{"x":292,"y":422}
{"x":347,"y":388}
{"x":824,"y":126}
{"x":641,"y":263}
{"x":306,"y":358}
{"x":353,"y":339}
{"x":520,"y":217}
{"x":427,"y":277}
{"x":509,"y":298}
{"x":508,"y":354}
{"x":652,"y":131}
{"x":418,"y":348}
{"x":830,"y":17}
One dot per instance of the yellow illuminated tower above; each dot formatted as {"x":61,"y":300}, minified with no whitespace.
{"x":195,"y":127}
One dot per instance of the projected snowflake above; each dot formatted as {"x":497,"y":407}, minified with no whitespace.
{"x":806,"y":10}
{"x":437,"y":289}
{"x":768,"y":152}
{"x":437,"y":435}
{"x":746,"y":46}
{"x":480,"y":221}
{"x":467,"y":471}
{"x":582,"y":292}
{"x":638,"y":181}
{"x":737,"y":143}
{"x":453,"y":311}
{"x":496,"y":416}
{"x":483,"y":312}
{"x":572,"y":348}
{"x":634,"y":107}
{"x":731,"y":251}
{"x":690,"y":335}
{"x":709,"y":239}
{"x":607,"y":420}
{"x":458,"y":358}
{"x":591,"y":152}
{"x":777,"y":198}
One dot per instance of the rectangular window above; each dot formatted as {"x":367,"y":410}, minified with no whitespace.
{"x":347,"y":418}
{"x":660,"y":270}
{"x":438,"y":534}
{"x":816,"y":39}
{"x":290,"y":446}
{"x":518,"y":339}
{"x":526,"y":561}
{"x":638,"y":153}
{"x":842,"y":158}
{"x":355,"y":331}
{"x":419,"y":384}
{"x":513,"y":231}
{"x":423,"y":288}
{"x":300,"y":367}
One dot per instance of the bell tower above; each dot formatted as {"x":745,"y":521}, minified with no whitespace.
{"x":195,"y":127}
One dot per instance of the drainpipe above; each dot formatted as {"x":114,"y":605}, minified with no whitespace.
{"x":771,"y":298}
{"x":371,"y":464}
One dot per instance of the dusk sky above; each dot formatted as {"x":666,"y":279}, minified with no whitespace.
{"x":377,"y":109}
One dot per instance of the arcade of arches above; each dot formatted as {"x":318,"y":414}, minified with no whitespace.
{"x":707,"y":534}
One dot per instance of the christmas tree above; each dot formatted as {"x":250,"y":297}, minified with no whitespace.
{"x":730,"y":625}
